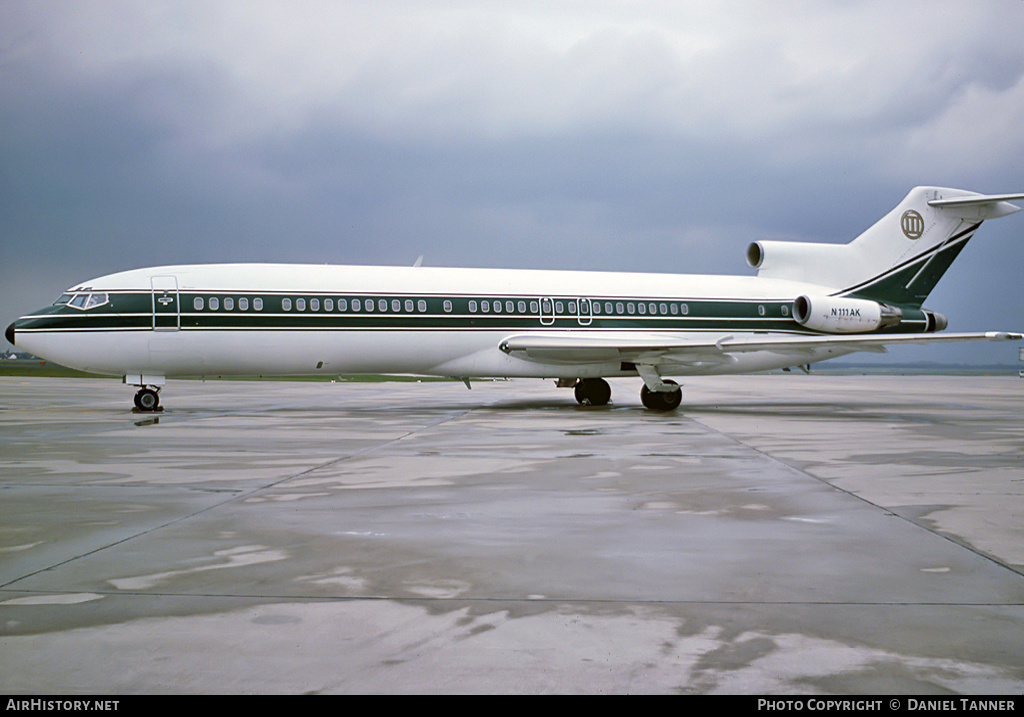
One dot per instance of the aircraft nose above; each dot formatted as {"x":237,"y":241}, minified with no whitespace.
{"x":9,"y":334}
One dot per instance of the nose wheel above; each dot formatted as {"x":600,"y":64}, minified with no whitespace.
{"x":147,"y":400}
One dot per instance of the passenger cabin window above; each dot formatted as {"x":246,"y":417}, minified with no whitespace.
{"x":286,"y":304}
{"x":447,"y":306}
{"x":257,"y":304}
{"x":214,"y":303}
{"x":300,"y":304}
{"x":243,"y":304}
{"x":197,"y":303}
{"x":229,"y":303}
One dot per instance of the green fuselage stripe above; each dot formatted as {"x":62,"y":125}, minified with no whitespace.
{"x":126,"y":311}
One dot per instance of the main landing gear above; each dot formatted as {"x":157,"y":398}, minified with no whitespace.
{"x":662,"y":400}
{"x":597,"y":392}
{"x":592,"y":391}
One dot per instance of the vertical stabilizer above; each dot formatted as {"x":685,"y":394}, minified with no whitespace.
{"x":900,"y":258}
{"x":906,"y":252}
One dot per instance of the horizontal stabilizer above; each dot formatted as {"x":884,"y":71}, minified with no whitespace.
{"x":976,"y":199}
{"x":978,"y":206}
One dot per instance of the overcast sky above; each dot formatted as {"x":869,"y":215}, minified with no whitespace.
{"x":641,"y":136}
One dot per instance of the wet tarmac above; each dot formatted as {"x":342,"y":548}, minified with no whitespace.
{"x":778,"y":534}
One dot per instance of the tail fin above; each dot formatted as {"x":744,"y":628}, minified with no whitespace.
{"x":899,"y":259}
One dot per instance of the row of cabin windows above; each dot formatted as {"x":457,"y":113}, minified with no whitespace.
{"x":510,"y":307}
{"x":396,"y":305}
{"x":199,"y":303}
{"x":652,"y":308}
{"x":587,"y":308}
{"x":557,"y":307}
{"x":214,"y":303}
{"x":573,"y":308}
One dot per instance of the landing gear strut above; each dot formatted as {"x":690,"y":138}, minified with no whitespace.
{"x":662,"y":400}
{"x":592,"y":391}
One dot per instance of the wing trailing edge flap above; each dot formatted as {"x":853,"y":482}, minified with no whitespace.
{"x":572,"y":348}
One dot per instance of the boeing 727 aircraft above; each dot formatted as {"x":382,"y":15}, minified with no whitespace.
{"x":808,"y":302}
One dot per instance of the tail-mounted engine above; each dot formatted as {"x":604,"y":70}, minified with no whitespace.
{"x":843,"y":315}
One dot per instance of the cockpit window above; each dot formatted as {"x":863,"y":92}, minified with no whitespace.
{"x":96,"y":300}
{"x":64,"y":298}
{"x":84,"y":301}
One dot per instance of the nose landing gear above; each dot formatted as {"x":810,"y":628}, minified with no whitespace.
{"x":147,"y":400}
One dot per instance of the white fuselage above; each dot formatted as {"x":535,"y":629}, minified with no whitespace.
{"x":202,"y":320}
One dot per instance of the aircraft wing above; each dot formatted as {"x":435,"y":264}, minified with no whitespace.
{"x":580,"y":348}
